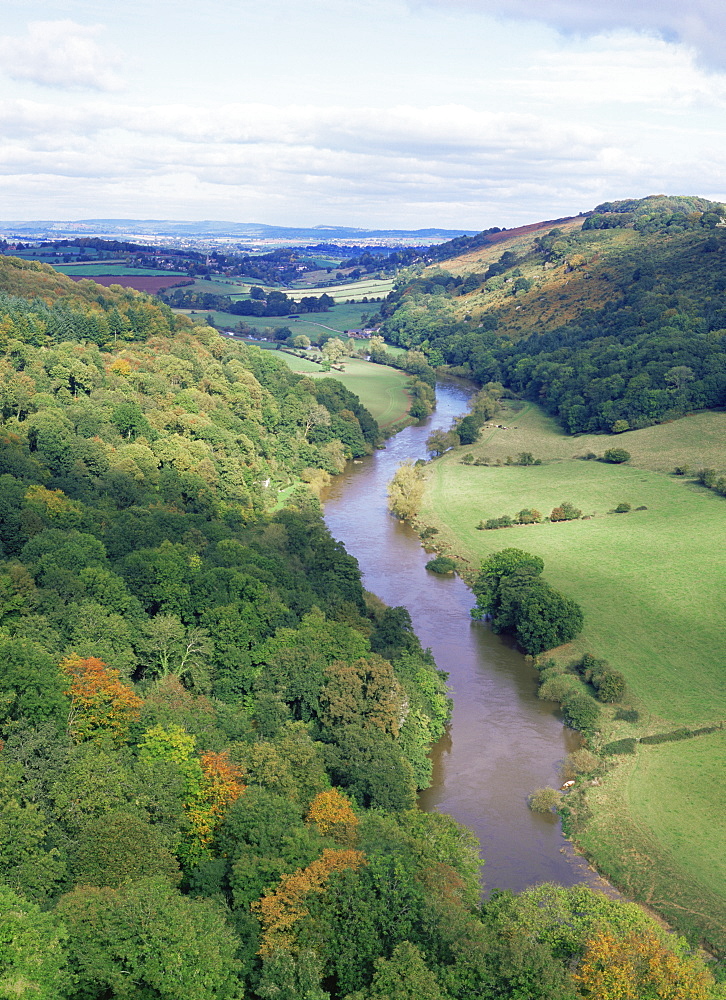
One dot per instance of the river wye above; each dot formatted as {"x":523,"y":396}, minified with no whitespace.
{"x":503,"y":743}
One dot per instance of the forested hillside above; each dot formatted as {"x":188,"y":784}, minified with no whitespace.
{"x":211,"y":736}
{"x":614,"y":321}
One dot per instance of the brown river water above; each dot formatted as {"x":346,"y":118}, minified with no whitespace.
{"x":503,"y":743}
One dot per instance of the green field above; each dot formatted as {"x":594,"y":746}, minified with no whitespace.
{"x":364,"y":288}
{"x":382,"y":390}
{"x":651,"y":585}
{"x":121,"y":270}
{"x":698,"y":440}
{"x":660,"y":570}
{"x":337,"y":320}
{"x":655,"y":830}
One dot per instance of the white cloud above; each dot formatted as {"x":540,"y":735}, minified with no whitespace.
{"x":60,"y":54}
{"x":403,"y":165}
{"x":698,"y":23}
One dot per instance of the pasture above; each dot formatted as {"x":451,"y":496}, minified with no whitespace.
{"x":382,"y":390}
{"x":120,"y":270}
{"x":697,"y":440}
{"x":336,"y":321}
{"x":654,"y":831}
{"x":357,"y":290}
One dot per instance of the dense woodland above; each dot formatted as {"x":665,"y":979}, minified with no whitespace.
{"x":609,"y":333}
{"x":212,"y":737}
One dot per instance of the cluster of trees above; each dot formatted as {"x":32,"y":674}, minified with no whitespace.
{"x":260,"y":303}
{"x":211,"y":738}
{"x":511,"y":593}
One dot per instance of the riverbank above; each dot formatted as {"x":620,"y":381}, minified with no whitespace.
{"x":659,"y":570}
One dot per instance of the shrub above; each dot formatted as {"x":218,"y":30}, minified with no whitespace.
{"x":558,"y":687}
{"x":642,"y":507}
{"x":616,"y":456}
{"x":626,"y":745}
{"x":528,"y":516}
{"x":610,"y":686}
{"x":468,"y":459}
{"x":623,"y":508}
{"x":706,"y":477}
{"x":581,"y":761}
{"x":627,"y":714}
{"x":565,"y":512}
{"x":429,"y":532}
{"x":581,"y":712}
{"x":441,"y":565}
{"x":544,"y":800}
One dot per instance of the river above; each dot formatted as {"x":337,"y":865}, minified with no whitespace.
{"x":503,"y":743}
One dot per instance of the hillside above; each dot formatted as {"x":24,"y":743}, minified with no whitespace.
{"x":617,"y":318}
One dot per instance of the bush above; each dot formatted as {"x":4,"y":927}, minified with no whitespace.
{"x":581,"y":761}
{"x":610,"y":686}
{"x":544,"y":800}
{"x":627,"y":714}
{"x":558,"y":687}
{"x":565,"y":512}
{"x":581,"y":712}
{"x":441,"y":565}
{"x":616,"y":456}
{"x":623,"y":508}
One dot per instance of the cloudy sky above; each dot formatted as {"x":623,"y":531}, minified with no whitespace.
{"x":374,"y":113}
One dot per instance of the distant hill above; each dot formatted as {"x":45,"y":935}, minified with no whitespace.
{"x":247,"y":231}
{"x":617,"y":317}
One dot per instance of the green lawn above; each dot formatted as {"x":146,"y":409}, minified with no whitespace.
{"x":651,"y":585}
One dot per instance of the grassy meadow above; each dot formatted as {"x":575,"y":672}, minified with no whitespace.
{"x":337,"y":320}
{"x":382,"y":390}
{"x":655,"y":828}
{"x":651,"y":585}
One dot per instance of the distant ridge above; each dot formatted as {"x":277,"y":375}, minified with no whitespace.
{"x":242,"y":230}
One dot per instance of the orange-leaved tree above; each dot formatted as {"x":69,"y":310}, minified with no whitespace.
{"x":281,"y":910}
{"x":220,"y":786}
{"x":332,"y":814}
{"x":211,"y":784}
{"x":101,"y":704}
{"x":639,"y":966}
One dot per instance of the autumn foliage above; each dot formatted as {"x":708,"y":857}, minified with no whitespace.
{"x":639,"y":967}
{"x":101,"y":704}
{"x":280,"y":911}
{"x":332,"y":814}
{"x":220,"y":786}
